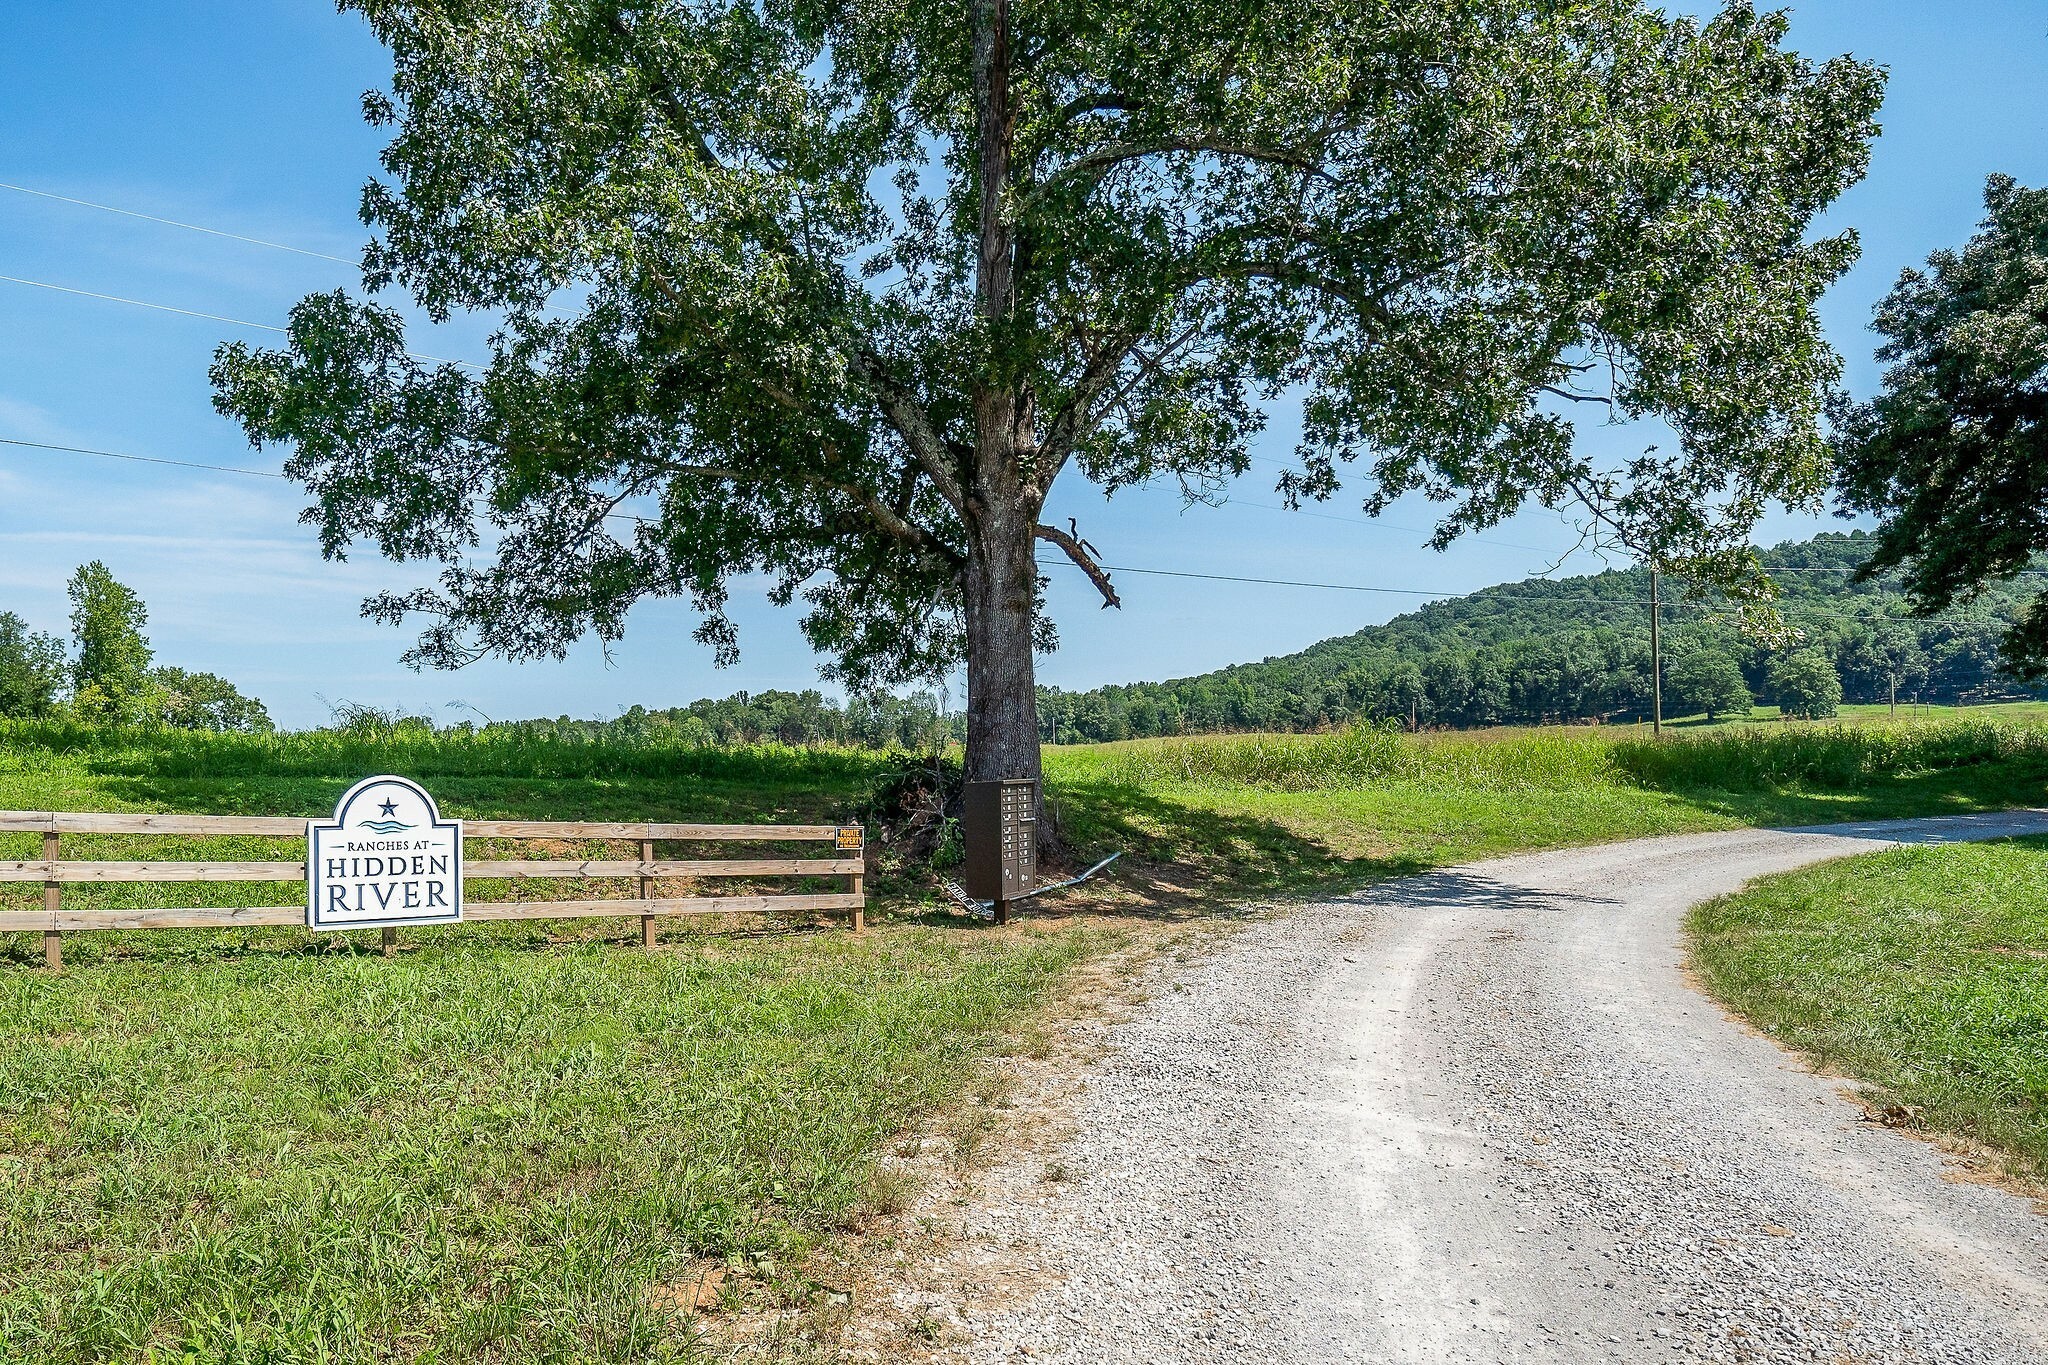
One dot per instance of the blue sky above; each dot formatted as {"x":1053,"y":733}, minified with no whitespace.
{"x":244,"y":116}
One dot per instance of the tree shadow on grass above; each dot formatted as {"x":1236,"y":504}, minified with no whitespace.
{"x":1464,"y":888}
{"x":1184,"y":862}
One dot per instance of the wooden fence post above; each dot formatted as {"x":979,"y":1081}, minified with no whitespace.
{"x":53,"y":901}
{"x":853,"y":888}
{"x":388,"y":941}
{"x":647,"y":922}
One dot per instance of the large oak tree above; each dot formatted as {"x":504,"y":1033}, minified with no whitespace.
{"x":1952,"y":453}
{"x":834,"y":292}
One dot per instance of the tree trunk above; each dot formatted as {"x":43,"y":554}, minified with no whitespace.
{"x":1002,"y":498}
{"x":1001,"y":583}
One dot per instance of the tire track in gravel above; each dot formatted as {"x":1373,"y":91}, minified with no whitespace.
{"x":1479,"y":1116}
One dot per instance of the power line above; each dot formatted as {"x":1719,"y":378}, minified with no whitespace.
{"x":1438,"y":597}
{"x":1795,"y":568}
{"x":1509,"y":545}
{"x":642,"y":521}
{"x":172,"y":222}
{"x":194,"y":313}
{"x":1435,"y":595}
{"x":139,"y":303}
{"x":140,"y":459}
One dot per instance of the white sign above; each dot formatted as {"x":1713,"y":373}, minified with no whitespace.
{"x":386,"y":858}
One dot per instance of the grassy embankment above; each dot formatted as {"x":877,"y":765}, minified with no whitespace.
{"x":1920,"y":971}
{"x":516,"y":1142}
{"x":505,"y":1144}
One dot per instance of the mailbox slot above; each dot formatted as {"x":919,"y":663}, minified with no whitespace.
{"x":999,"y":825}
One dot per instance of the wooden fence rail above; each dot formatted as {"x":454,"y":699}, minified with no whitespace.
{"x":55,"y":872}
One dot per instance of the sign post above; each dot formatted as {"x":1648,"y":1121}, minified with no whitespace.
{"x":386,"y":859}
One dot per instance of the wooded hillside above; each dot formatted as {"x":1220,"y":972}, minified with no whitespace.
{"x":1573,"y":649}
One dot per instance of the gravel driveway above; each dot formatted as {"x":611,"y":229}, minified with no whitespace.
{"x":1479,"y":1115}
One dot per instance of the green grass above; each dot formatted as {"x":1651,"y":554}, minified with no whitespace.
{"x":1285,"y":813}
{"x":1921,"y":971}
{"x":256,"y":1146}
{"x":1867,"y":713}
{"x":489,"y":1152}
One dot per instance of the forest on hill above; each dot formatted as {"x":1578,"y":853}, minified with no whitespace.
{"x":1578,"y":650}
{"x":1538,"y":651}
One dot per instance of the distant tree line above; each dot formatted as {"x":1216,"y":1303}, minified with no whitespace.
{"x":1578,"y":650}
{"x":915,"y":722}
{"x":108,"y":674}
{"x":882,"y":721}
{"x":1535,"y":652}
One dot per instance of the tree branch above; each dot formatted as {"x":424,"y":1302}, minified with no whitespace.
{"x":1093,"y":165}
{"x":1069,"y":425}
{"x":914,"y":424}
{"x":673,"y":110}
{"x":1249,"y":151}
{"x":1083,"y":560}
{"x":892,"y":523}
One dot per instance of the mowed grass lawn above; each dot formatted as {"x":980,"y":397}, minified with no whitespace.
{"x":477,"y":1152}
{"x":1920,"y":971}
{"x":519,"y":1142}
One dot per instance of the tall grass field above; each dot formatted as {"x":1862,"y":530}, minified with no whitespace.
{"x":519,"y":1142}
{"x":1291,"y":812}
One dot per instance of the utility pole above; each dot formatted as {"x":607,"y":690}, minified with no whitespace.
{"x":1656,"y":657}
{"x":1894,"y":680}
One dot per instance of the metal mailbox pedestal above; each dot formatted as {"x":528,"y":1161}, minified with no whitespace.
{"x":999,"y":825}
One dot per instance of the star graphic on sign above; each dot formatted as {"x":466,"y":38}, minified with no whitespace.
{"x":389,"y":807}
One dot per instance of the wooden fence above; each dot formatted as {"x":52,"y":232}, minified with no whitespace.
{"x":55,"y":872}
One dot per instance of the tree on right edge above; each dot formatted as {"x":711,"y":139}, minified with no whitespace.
{"x":1952,"y":454}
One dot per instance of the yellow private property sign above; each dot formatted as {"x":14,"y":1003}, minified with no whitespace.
{"x":386,"y":859}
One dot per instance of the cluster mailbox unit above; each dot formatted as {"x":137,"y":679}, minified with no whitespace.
{"x":999,"y":826}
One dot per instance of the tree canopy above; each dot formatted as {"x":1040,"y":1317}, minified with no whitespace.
{"x":1806,"y":684}
{"x":1952,"y":454}
{"x":833,"y":293}
{"x":109,"y":677}
{"x":110,"y":669}
{"x":32,"y":670}
{"x":1707,"y":679}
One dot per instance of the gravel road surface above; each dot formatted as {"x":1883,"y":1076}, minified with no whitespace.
{"x":1480,"y":1115}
